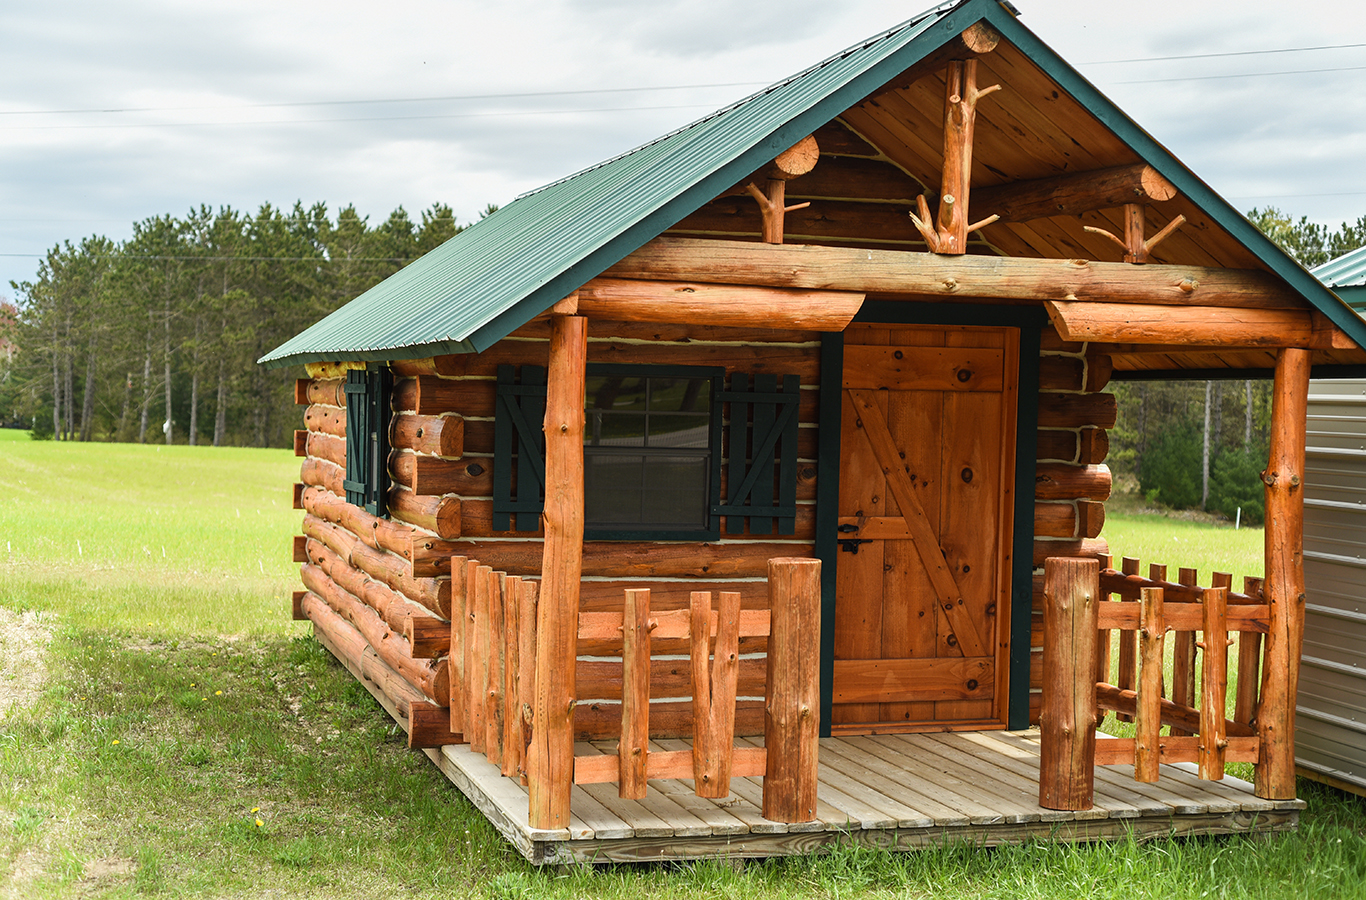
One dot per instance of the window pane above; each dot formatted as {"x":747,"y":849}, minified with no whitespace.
{"x":676,"y":491}
{"x":612,"y":488}
{"x":609,"y":429}
{"x":678,"y":430}
{"x":680,"y":395}
{"x":619,"y":392}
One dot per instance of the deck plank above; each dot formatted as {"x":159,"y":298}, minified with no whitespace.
{"x":948,"y":791}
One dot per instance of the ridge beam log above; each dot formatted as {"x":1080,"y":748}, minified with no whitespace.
{"x":1072,"y":195}
{"x":929,"y":276}
{"x":1191,"y":326}
{"x":551,"y":761}
{"x":731,"y":305}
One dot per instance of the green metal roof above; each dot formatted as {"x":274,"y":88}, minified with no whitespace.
{"x":1346,"y":275}
{"x":495,"y":276}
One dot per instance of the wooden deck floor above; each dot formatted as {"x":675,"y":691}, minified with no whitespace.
{"x":894,"y":791}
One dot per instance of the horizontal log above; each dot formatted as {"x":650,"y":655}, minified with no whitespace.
{"x":642,"y":559}
{"x":435,"y":435}
{"x":1129,"y":587}
{"x":1100,"y":367}
{"x":388,"y":569}
{"x":438,"y":514}
{"x":428,"y":395}
{"x":746,"y":762}
{"x":1077,"y":410}
{"x":1072,"y":195}
{"x":427,"y":724}
{"x":1191,"y":326}
{"x":1090,"y":518}
{"x":1077,"y":548}
{"x":1119,"y":751}
{"x":607,"y":596}
{"x":669,"y":678}
{"x":321,"y":473}
{"x":381,"y":534}
{"x":1085,"y":446}
{"x":363,"y":571}
{"x":301,"y":441}
{"x":927,"y":275}
{"x":1061,"y":373}
{"x":1056,"y":481}
{"x":429,"y":636}
{"x":324,"y":392}
{"x":326,"y":419}
{"x":326,"y":446}
{"x":744,"y":306}
{"x":450,"y":365}
{"x":669,"y":332}
{"x":296,"y":606}
{"x":1055,"y":520}
{"x":430,"y":677}
{"x":668,"y":719}
{"x":1113,"y":699}
{"x":1185,"y":616}
{"x":671,"y":624}
{"x":434,"y":476}
{"x":300,"y":548}
{"x":298,"y":495}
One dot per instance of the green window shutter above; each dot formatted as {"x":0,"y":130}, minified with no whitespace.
{"x":519,"y":448}
{"x":378,"y":384}
{"x":761,"y":481}
{"x":358,"y":447}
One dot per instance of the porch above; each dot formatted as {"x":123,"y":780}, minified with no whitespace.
{"x":902,"y":792}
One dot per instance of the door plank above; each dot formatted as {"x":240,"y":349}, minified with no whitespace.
{"x":908,"y":680}
{"x":928,"y":369}
{"x":874,"y":429}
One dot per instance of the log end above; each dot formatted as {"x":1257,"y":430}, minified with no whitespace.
{"x":1155,"y":186}
{"x":798,"y":159}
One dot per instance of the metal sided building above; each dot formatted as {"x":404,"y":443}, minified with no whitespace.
{"x":1330,"y":725}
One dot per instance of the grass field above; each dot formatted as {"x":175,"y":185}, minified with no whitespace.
{"x":180,"y":736}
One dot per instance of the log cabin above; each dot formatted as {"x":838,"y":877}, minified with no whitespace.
{"x":744,"y":494}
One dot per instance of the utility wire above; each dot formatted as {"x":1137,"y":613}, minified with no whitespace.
{"x":1242,"y":75}
{"x":1112,"y":62}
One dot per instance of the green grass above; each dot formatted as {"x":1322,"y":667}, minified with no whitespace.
{"x":1177,"y":543}
{"x":145,"y":759}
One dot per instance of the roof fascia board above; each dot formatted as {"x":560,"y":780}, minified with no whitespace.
{"x":948,"y":27}
{"x":441,"y":348}
{"x":1183,"y":178}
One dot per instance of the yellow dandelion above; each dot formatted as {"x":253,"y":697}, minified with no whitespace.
{"x":115,"y":742}
{"x":218,"y":693}
{"x":191,"y":684}
{"x":259,"y":823}
{"x":204,"y":699}
{"x":256,"y":809}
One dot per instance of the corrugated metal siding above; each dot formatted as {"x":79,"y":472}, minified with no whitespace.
{"x":1330,"y":731}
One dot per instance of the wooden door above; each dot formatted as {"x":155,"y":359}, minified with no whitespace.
{"x":927,"y":462}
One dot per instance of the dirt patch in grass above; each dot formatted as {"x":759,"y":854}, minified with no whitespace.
{"x":24,"y":637}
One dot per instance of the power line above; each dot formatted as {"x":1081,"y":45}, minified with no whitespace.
{"x":446,"y":99}
{"x":1109,"y":62}
{"x":1242,"y":75}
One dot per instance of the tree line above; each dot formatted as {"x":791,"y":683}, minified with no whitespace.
{"x":156,"y":338}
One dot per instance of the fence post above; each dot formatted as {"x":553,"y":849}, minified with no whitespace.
{"x":792,"y":710}
{"x":1183,"y":657}
{"x":1249,"y":663}
{"x":1067,"y":754}
{"x":1148,"y":715}
{"x":1214,"y":683}
{"x":634,"y":747}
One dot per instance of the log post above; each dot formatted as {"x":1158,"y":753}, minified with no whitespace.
{"x":1249,"y":663}
{"x":477,"y":674}
{"x":1126,"y":677}
{"x":493,"y":673}
{"x":457,"y":651}
{"x":557,"y":627}
{"x":1214,"y":684}
{"x":512,"y":699}
{"x":1103,"y":641}
{"x":634,"y":749}
{"x":1183,"y":658}
{"x":526,"y":671}
{"x":1148,"y":715}
{"x":714,"y":687}
{"x":792,"y":707}
{"x":1284,"y":586}
{"x":1067,"y":752}
{"x":796,"y":160}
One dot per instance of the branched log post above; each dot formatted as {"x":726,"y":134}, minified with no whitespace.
{"x":1067,"y":752}
{"x":792,"y":707}
{"x":1284,"y":586}
{"x":1137,"y":249}
{"x":961,"y":95}
{"x":552,"y":742}
{"x":796,"y":160}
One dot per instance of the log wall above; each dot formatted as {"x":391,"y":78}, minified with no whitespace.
{"x":441,"y":502}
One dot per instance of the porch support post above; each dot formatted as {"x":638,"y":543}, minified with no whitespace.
{"x":1284,"y":588}
{"x":557,"y":627}
{"x":1067,"y":750}
{"x":792,"y":704}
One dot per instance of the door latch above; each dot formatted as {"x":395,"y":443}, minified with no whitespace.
{"x":851,"y":545}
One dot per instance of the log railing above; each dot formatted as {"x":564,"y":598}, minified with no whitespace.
{"x":1078,"y":619}
{"x":493,"y":672}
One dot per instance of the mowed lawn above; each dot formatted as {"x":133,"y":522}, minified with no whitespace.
{"x":181,"y":736}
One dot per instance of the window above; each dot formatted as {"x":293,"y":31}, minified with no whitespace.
{"x":653,"y":452}
{"x":367,"y":439}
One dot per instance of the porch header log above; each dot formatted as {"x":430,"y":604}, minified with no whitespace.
{"x":1190,"y":326}
{"x":739,"y":306}
{"x":933,"y":277}
{"x":1071,"y":195}
{"x":1284,"y":586}
{"x":551,"y":760}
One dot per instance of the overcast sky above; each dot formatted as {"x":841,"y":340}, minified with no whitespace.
{"x":119,"y":110}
